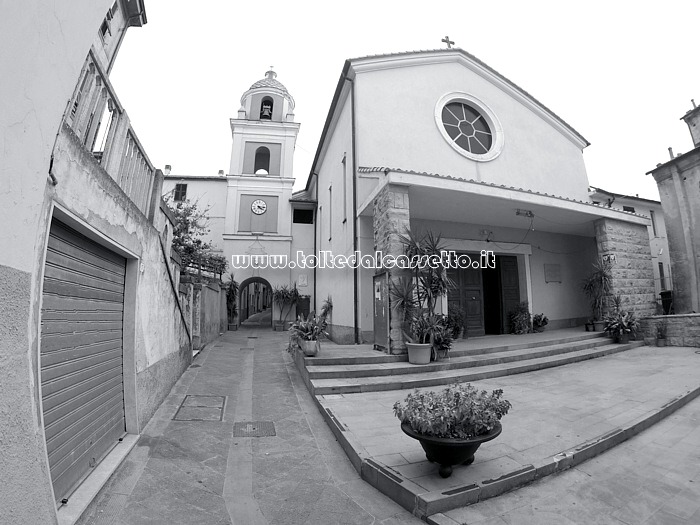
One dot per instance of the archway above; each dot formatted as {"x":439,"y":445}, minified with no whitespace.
{"x":255,"y":302}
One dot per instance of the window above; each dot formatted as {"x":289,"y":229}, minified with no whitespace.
{"x":303,"y":216}
{"x":266,"y":109}
{"x":345,"y":188}
{"x":180,"y":192}
{"x":662,"y":277}
{"x":653,"y":222}
{"x":469,"y":126}
{"x":104,"y":29}
{"x":628,"y":208}
{"x":262,"y":161}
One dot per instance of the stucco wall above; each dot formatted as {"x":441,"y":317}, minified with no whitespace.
{"x":395,"y":110}
{"x":43,"y":49}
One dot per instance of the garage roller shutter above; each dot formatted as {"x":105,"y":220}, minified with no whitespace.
{"x":81,"y":355}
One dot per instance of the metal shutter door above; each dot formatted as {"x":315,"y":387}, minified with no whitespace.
{"x":81,"y":355}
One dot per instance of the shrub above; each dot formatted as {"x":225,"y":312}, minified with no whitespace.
{"x":519,"y":319}
{"x":539,"y":321}
{"x":458,"y":411}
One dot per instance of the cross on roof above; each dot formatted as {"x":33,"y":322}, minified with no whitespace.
{"x":447,"y":41}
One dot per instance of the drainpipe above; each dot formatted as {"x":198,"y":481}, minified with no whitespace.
{"x":356,"y":270}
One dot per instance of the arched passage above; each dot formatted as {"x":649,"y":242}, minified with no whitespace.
{"x":255,"y":302}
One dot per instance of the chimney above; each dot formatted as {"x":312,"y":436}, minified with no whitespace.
{"x":692,"y":118}
{"x":221,"y":173}
{"x":670,"y":151}
{"x":167,"y":169}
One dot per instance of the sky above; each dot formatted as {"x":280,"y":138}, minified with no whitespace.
{"x":621,"y":73}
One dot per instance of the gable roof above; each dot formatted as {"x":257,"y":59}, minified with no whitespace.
{"x":455,"y":52}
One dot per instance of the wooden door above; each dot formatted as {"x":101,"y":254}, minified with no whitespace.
{"x":510,"y":287}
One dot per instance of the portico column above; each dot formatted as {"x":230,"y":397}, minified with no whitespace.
{"x":392,"y":219}
{"x":632,"y":270}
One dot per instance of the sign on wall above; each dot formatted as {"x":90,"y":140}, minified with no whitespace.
{"x":552,"y":273}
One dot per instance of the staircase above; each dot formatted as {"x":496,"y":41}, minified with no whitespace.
{"x":472,"y":360}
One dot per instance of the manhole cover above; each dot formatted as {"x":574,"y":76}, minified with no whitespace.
{"x":201,"y":408}
{"x":254,"y":429}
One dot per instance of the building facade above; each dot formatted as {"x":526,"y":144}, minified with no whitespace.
{"x":678,"y":181}
{"x":438,"y":141}
{"x":658,"y":241}
{"x":94,"y":330}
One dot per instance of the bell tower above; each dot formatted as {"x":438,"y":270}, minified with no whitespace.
{"x":264,"y":133}
{"x":260,"y":175}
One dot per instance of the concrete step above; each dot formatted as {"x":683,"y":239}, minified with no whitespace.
{"x":461,"y":347}
{"x":451,"y":363}
{"x":348,"y":385}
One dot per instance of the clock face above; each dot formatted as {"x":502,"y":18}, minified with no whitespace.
{"x":259,"y":207}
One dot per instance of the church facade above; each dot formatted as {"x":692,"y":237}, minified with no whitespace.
{"x":430,"y":141}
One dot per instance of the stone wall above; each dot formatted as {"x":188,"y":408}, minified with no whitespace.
{"x":392,"y":219}
{"x":681,"y":330}
{"x":632,"y":272}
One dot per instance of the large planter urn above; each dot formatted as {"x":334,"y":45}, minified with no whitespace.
{"x":660,"y":341}
{"x":310,"y":348}
{"x":450,"y":451}
{"x":419,"y":353}
{"x":232,"y":327}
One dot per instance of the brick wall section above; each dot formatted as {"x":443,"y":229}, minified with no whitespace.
{"x":633,"y":274}
{"x":391,"y":219}
{"x":681,"y":330}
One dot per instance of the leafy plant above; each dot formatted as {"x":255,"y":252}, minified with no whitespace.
{"x":456,"y":319}
{"x":308,"y":328}
{"x":189,"y":233}
{"x":621,"y":322}
{"x":661,"y":329}
{"x":458,"y":411}
{"x":285,"y":297}
{"x":598,"y":285}
{"x":231,"y":298}
{"x":519,"y":318}
{"x":327,"y":307}
{"x":539,"y":321}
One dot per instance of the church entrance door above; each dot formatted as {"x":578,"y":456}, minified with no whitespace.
{"x":486,"y":295}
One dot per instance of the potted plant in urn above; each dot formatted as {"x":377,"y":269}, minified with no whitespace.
{"x":452,"y":423}
{"x":661,"y":329}
{"x":621,"y":325}
{"x":307,"y":332}
{"x":539,"y":321}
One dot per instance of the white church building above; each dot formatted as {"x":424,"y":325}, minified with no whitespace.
{"x":427,"y":141}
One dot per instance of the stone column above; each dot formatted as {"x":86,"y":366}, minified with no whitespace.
{"x":391,"y":219}
{"x":632,"y":272}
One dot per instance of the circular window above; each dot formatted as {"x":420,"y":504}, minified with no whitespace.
{"x":469,"y":126}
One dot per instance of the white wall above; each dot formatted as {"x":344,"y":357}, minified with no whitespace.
{"x":395,"y":113}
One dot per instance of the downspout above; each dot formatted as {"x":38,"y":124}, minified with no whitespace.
{"x":356,"y":270}
{"x":315,"y":240}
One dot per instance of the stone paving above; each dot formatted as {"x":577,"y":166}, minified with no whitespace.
{"x":652,"y":479}
{"x":554,"y":410}
{"x":198,"y":473}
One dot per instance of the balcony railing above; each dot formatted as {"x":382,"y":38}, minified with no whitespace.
{"x":98,"y":119}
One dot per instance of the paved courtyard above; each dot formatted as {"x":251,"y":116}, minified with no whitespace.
{"x":191,"y":466}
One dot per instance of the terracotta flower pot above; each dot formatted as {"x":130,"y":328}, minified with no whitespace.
{"x":449,"y":451}
{"x":310,"y":348}
{"x":419,"y":353}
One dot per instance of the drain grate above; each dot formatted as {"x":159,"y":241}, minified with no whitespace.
{"x":254,"y":429}
{"x":201,"y":408}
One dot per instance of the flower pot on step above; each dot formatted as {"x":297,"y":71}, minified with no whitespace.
{"x":419,"y":353}
{"x":310,"y":348}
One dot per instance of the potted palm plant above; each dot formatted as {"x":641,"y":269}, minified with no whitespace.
{"x":307,"y":332}
{"x":452,"y":423}
{"x":598,"y":286}
{"x":285,"y":297}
